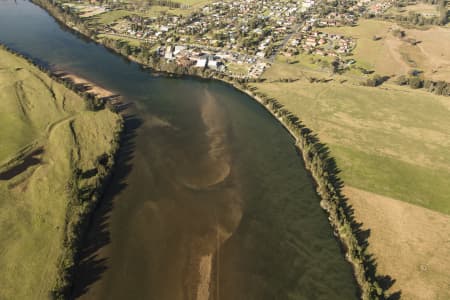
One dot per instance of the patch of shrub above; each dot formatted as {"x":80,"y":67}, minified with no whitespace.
{"x":415,"y":82}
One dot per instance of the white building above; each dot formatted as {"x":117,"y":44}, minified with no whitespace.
{"x":201,"y":63}
{"x":261,"y":54}
{"x":178,"y":49}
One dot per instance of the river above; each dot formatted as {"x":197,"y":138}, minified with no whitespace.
{"x":209,"y":200}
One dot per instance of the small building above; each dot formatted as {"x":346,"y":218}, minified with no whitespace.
{"x":178,"y":49}
{"x":311,"y":42}
{"x":168,"y":54}
{"x":201,"y":63}
{"x":260,"y":54}
{"x":213,"y":64}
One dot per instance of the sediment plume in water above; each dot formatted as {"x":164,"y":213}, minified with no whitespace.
{"x":215,"y":166}
{"x":214,"y":169}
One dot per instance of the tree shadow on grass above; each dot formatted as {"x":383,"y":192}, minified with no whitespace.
{"x":90,"y":265}
{"x":369,"y":264}
{"x":26,"y":162}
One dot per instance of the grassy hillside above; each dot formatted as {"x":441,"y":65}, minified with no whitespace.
{"x":30,"y":104}
{"x":40,"y":198}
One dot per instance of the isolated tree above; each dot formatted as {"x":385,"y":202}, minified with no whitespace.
{"x":415,"y":82}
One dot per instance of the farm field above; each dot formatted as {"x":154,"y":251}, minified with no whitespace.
{"x":130,"y":41}
{"x":391,"y":56}
{"x":432,"y":54}
{"x":47,"y":134}
{"x":143,"y":9}
{"x":194,"y":2}
{"x":392,"y":143}
{"x":111,"y":16}
{"x":422,"y":8}
{"x":418,"y":240}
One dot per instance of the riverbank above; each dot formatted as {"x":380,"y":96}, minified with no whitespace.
{"x":60,"y":155}
{"x":312,"y":151}
{"x":328,"y":187}
{"x":87,"y":85}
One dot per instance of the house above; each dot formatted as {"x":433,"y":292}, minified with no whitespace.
{"x":201,"y":62}
{"x":320,"y":52}
{"x":213,"y":64}
{"x":311,"y":42}
{"x":295,"y":42}
{"x":168,"y":54}
{"x":178,"y":49}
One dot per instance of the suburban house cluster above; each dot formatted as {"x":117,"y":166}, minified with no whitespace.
{"x":319,"y":43}
{"x":243,"y":35}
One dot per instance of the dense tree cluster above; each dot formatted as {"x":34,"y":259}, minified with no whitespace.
{"x":67,"y":15}
{"x":375,"y":80}
{"x":418,"y":19}
{"x":436,"y":87}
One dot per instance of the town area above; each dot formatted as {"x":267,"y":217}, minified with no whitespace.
{"x":238,"y":38}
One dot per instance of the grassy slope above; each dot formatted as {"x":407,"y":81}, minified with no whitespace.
{"x":21,"y":117}
{"x":33,"y":204}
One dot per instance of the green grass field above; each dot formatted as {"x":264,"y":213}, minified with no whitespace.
{"x":130,"y":41}
{"x":193,"y":2}
{"x":303,"y":61}
{"x":23,"y":119}
{"x":36,"y":111}
{"x":153,"y":11}
{"x":391,"y":141}
{"x":421,"y":8}
{"x":112,"y":16}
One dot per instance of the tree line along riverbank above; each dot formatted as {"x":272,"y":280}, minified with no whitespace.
{"x":315,"y":154}
{"x":324,"y":170}
{"x":59,"y":143}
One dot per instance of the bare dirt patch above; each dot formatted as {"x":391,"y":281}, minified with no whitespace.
{"x":393,"y":46}
{"x":91,"y":88}
{"x":433,"y":51}
{"x":411,"y":243}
